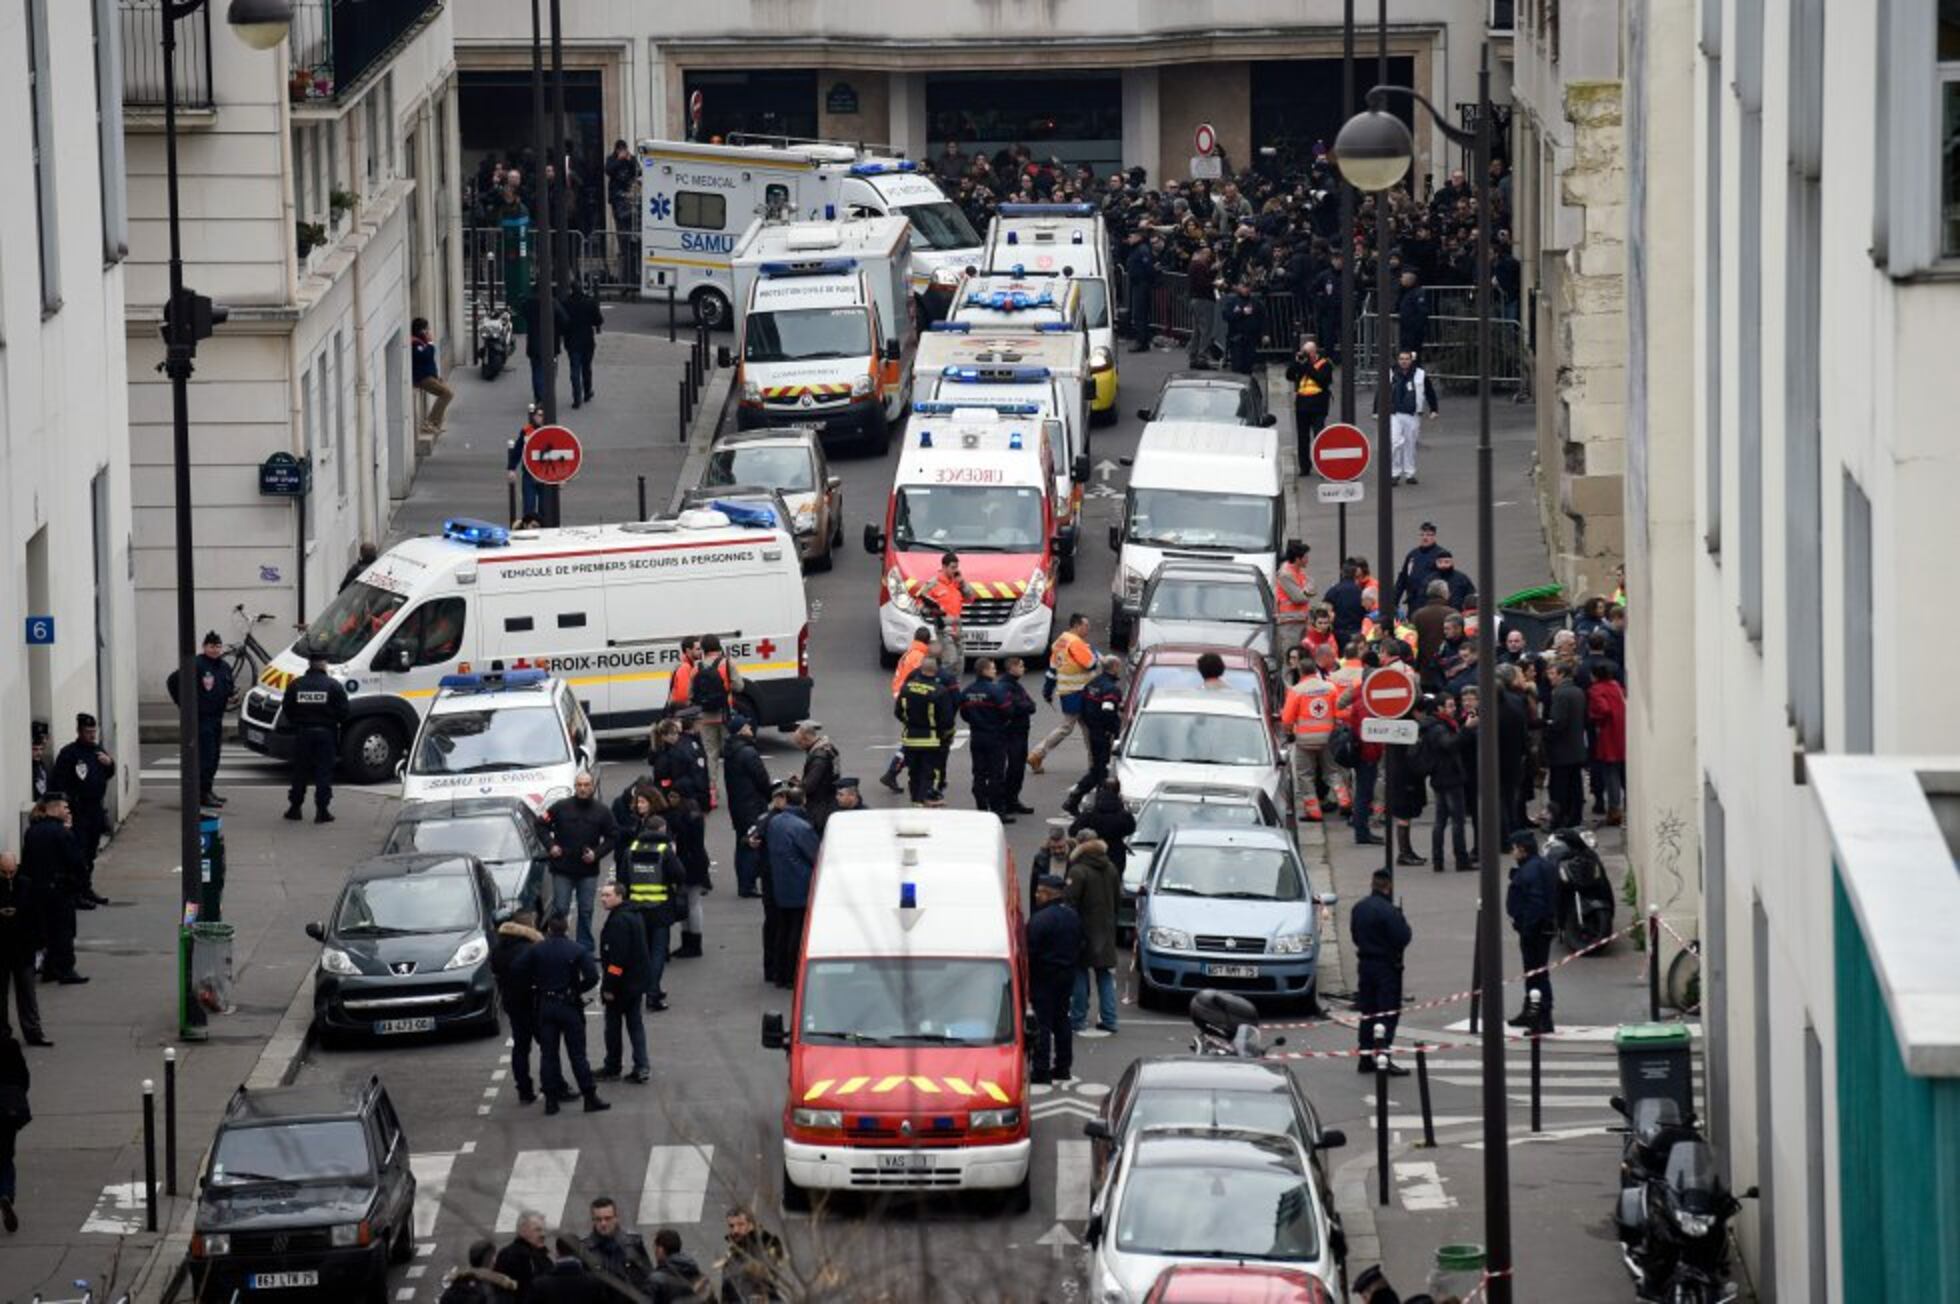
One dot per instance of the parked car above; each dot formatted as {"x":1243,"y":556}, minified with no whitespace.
{"x":1232,"y":1283}
{"x":1215,"y":604}
{"x":1260,"y":1205}
{"x":306,"y":1189}
{"x":1224,"y":397}
{"x":1175,"y":665}
{"x":502,"y":832}
{"x":407,"y":948}
{"x":1184,"y":805}
{"x":791,"y":460}
{"x":1231,"y":909}
{"x":1192,"y":736}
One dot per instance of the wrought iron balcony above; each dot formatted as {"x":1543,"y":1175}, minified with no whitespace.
{"x":142,"y":56}
{"x":336,"y":42}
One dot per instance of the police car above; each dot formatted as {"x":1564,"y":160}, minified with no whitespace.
{"x":520,"y":733}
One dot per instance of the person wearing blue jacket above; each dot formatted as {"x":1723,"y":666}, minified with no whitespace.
{"x":1532,"y":902}
{"x":985,"y":708}
{"x":792,"y":846}
{"x":1054,"y":933}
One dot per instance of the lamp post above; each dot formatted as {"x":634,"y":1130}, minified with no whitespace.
{"x":544,"y":327}
{"x":187,"y":318}
{"x":1374,"y":150}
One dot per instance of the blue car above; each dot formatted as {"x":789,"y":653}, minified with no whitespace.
{"x":1231,"y":909}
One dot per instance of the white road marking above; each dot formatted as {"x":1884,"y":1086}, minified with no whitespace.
{"x":415,"y":1271}
{"x":541,"y":1180}
{"x":119,"y":1210}
{"x":1550,"y":1079}
{"x":1575,"y":1032}
{"x":1073,"y":1172}
{"x":405,"y":1293}
{"x":431,"y":1183}
{"x":1550,"y":1134}
{"x":1420,"y":1187}
{"x":676,"y":1184}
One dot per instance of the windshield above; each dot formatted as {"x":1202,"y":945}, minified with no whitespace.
{"x":1185,"y":518}
{"x":408,"y":903}
{"x":352,"y":620}
{"x":968,"y":518}
{"x":941,"y":225}
{"x":1158,"y":818}
{"x":1095,"y":302}
{"x":487,"y":837}
{"x":901,"y":1002}
{"x":1213,"y":600}
{"x":806,"y":333}
{"x":1199,"y":739}
{"x":787,"y":467}
{"x":486,"y":742}
{"x":295,"y":1152}
{"x":1217,"y":1212}
{"x":1248,"y":1111}
{"x":1205,"y":403}
{"x":1164,"y":676}
{"x":1246,"y":873}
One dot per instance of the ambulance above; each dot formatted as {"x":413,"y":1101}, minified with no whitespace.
{"x":697,"y":199}
{"x":602,"y":607}
{"x":976,"y":482}
{"x":1070,"y":240}
{"x":907,"y":1049}
{"x":1039,"y":374}
{"x":826,"y":331}
{"x":1007,"y":301}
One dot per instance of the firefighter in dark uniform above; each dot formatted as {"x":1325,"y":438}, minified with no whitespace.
{"x":1020,"y":718}
{"x":314,"y":707}
{"x":1380,"y":936}
{"x":82,"y":770}
{"x":653,"y":880}
{"x":1102,"y":716}
{"x":984,"y":708}
{"x":922,"y":708}
{"x":214,"y":689}
{"x":561,"y":971}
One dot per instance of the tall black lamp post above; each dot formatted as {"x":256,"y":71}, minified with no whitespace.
{"x":1374,"y":151}
{"x":187,"y":318}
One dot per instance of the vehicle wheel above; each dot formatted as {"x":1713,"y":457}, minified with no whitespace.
{"x":796,"y":1199}
{"x":490,"y":1026}
{"x":1107,"y":417}
{"x":837,"y":531}
{"x":711,"y":309}
{"x":823,"y":561}
{"x":1019,"y":1199}
{"x":878,"y":435}
{"x":402,"y":1248}
{"x":1119,"y":628}
{"x":1066,"y":570}
{"x":371,"y":749}
{"x":493,"y":362}
{"x":887,"y":659}
{"x":1147,"y":998}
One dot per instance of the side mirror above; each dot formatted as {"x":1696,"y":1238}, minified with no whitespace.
{"x":1078,"y":470}
{"x":1116,"y":538}
{"x":316,"y":931}
{"x":874,"y":540}
{"x":774,"y":1035}
{"x":1619,"y":1104}
{"x":1331,"y":1138}
{"x":1096,"y":1130}
{"x":834,"y":482}
{"x":893,"y":351}
{"x":724,"y":356}
{"x":1143,"y":414}
{"x":1269,"y":420}
{"x":1329,"y":899}
{"x":1093,"y":1233}
{"x":401,"y":767}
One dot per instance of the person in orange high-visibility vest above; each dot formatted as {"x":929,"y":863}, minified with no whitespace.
{"x":1309,"y":714}
{"x":1071,"y":665}
{"x":948,"y":594}
{"x":908,"y":661}
{"x":1292,"y":594}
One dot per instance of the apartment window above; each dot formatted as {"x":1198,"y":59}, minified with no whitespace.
{"x":371,"y":121}
{"x":1856,"y":618}
{"x":331,"y":133}
{"x":40,"y":100}
{"x":1917,"y":222}
{"x":1803,"y":470}
{"x":302,"y":173}
{"x":439,"y":147}
{"x":1765,"y":1074}
{"x":309,"y":408}
{"x":335,"y":384}
{"x":110,"y":172}
{"x":389,"y":165}
{"x":1950,"y":160}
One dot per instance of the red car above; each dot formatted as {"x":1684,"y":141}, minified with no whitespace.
{"x":1175,"y":665}
{"x":1191,"y":1283}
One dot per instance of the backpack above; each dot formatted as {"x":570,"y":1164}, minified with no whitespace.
{"x":1422,"y":758}
{"x":1341,"y":745}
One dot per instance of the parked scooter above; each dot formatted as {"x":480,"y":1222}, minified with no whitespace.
{"x":494,"y":334}
{"x":1673,"y":1222}
{"x":1585,"y":893}
{"x":1227,"y":1025}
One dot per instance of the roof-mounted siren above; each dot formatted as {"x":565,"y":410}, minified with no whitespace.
{"x":478,"y":534}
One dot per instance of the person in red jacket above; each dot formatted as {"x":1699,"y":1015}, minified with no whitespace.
{"x":1369,"y":757}
{"x":1606,"y":711}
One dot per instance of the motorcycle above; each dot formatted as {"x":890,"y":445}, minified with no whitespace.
{"x":1585,"y":894}
{"x":1228,"y":1025}
{"x":1673,"y":1222}
{"x":494,"y":334}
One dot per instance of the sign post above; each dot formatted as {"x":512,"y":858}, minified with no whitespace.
{"x":1388,"y":694}
{"x":282,"y":475}
{"x":1341,"y":454}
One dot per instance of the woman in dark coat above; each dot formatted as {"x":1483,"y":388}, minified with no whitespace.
{"x":14,"y":1115}
{"x":675,"y":770}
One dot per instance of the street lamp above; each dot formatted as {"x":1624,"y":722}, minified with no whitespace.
{"x":1374,"y":151}
{"x":187,"y":318}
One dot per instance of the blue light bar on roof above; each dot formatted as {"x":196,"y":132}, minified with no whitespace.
{"x":1046,"y":210}
{"x":492,"y":681}
{"x":1011,"y":300}
{"x":825,"y":267}
{"x":982,"y":375}
{"x":879,"y":169}
{"x":1055,"y":327}
{"x":951,"y":327}
{"x":925,"y":439}
{"x":478,"y":534}
{"x":941,"y":408}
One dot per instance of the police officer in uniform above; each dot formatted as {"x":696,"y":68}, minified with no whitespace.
{"x":921,"y":708}
{"x":1054,"y":952}
{"x":850,"y":793}
{"x":315,"y":706}
{"x":652,"y":880}
{"x":1532,"y":902}
{"x":82,"y":770}
{"x":561,"y":971}
{"x":1020,"y":723}
{"x":984,"y":707}
{"x":1102,"y":716}
{"x":758,"y":840}
{"x":626,"y":964}
{"x":1380,"y":936}
{"x":214,"y":689}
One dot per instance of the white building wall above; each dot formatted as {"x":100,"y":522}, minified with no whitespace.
{"x":62,"y":424}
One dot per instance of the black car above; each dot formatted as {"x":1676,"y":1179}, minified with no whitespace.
{"x":1208,"y":1091}
{"x":502,"y":832}
{"x":1223,"y":397}
{"x":307,"y":1193}
{"x":407,"y":948}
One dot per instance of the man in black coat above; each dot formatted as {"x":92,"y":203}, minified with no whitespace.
{"x":626,"y":968}
{"x":541,"y":364}
{"x":746,"y":783}
{"x":983,"y":705}
{"x":1411,"y":315}
{"x":526,"y":1257}
{"x":1245,"y":327}
{"x":583,"y":321}
{"x":560,"y":971}
{"x":515,"y":936}
{"x":1565,"y":746}
{"x":52,"y":861}
{"x":579,"y":831}
{"x":1344,"y":598}
{"x":820,"y":772}
{"x":20,"y":938}
{"x":1020,"y":718}
{"x":1531,"y":901}
{"x":618,"y":1253}
{"x":83,"y":770}
{"x":1381,"y":935}
{"x":1412,"y":581}
{"x":1108,"y":818}
{"x":1054,"y":948}
{"x":1444,"y":738}
{"x":214,"y":689}
{"x":1513,"y":719}
{"x":1102,"y":717}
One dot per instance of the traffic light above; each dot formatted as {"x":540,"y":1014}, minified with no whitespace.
{"x":197,"y":310}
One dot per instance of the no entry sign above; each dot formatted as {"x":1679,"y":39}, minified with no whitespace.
{"x":1341,"y":452}
{"x":552,"y":455}
{"x":1389,"y":692}
{"x":1205,"y":138}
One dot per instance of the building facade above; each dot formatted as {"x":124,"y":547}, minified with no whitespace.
{"x":319,"y":207}
{"x":64,"y":432}
{"x":1795,"y":248}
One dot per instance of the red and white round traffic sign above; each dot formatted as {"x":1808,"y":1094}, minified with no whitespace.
{"x":1341,"y":452}
{"x":1389,"y":692}
{"x":552,"y":455}
{"x":1205,"y":138}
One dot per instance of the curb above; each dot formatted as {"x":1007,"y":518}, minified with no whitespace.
{"x":708,"y":422}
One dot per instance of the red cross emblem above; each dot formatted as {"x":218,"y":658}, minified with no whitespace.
{"x":1317,"y":708}
{"x":766,"y":648}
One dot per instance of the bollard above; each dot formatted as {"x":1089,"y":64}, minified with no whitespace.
{"x":1381,"y":1113}
{"x":673,"y":318}
{"x":1537,"y":1063}
{"x":150,"y":1154}
{"x":643,"y":498}
{"x":1476,"y":966}
{"x":680,"y":407}
{"x":1653,"y":964}
{"x":689,"y":396}
{"x":510,"y":492}
{"x":1422,"y":1089}
{"x":170,"y":1120}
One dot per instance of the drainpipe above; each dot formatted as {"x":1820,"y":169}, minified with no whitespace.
{"x":367,"y":515}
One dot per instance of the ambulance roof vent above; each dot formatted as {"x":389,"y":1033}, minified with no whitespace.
{"x":812,"y":237}
{"x":662,"y":525}
{"x":911,"y":824}
{"x":702,"y":518}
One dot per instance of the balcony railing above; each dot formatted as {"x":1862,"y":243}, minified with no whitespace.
{"x":142,"y":56}
{"x":335,"y":42}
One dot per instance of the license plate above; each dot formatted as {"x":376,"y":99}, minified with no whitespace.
{"x":254,"y":735}
{"x":1232,"y":971}
{"x":384,"y":1027}
{"x":981,"y":642}
{"x":917,"y":1162}
{"x":282,"y":1280}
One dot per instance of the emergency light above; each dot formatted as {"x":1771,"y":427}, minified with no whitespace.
{"x":1014,"y":237}
{"x":1055,"y":327}
{"x":941,"y":408}
{"x":951,"y":327}
{"x":825,"y":267}
{"x":1046,"y":210}
{"x":1014,"y":441}
{"x":478,"y":534}
{"x":908,"y":896}
{"x":492,"y":681}
{"x":879,"y":169}
{"x":925,"y":439}
{"x":982,"y":375}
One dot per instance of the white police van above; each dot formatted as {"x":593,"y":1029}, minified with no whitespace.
{"x":603,"y":607}
{"x":515,"y":733}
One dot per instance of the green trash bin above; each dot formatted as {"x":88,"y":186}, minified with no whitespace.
{"x":210,"y":975}
{"x":1459,"y":1271}
{"x":1656,"y":1060}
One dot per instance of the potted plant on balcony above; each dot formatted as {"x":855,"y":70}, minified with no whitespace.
{"x":339,"y":201}
{"x":310,"y":236}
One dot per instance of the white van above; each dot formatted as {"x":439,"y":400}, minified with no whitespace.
{"x":1068,"y":240}
{"x":1197,"y":492}
{"x":826,"y":327}
{"x":941,"y":237}
{"x":603,"y":607}
{"x":1003,"y":301}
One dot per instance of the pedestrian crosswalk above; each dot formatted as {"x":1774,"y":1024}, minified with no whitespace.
{"x":540,"y":1180}
{"x":1568,"y":1080}
{"x":237,"y":768}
